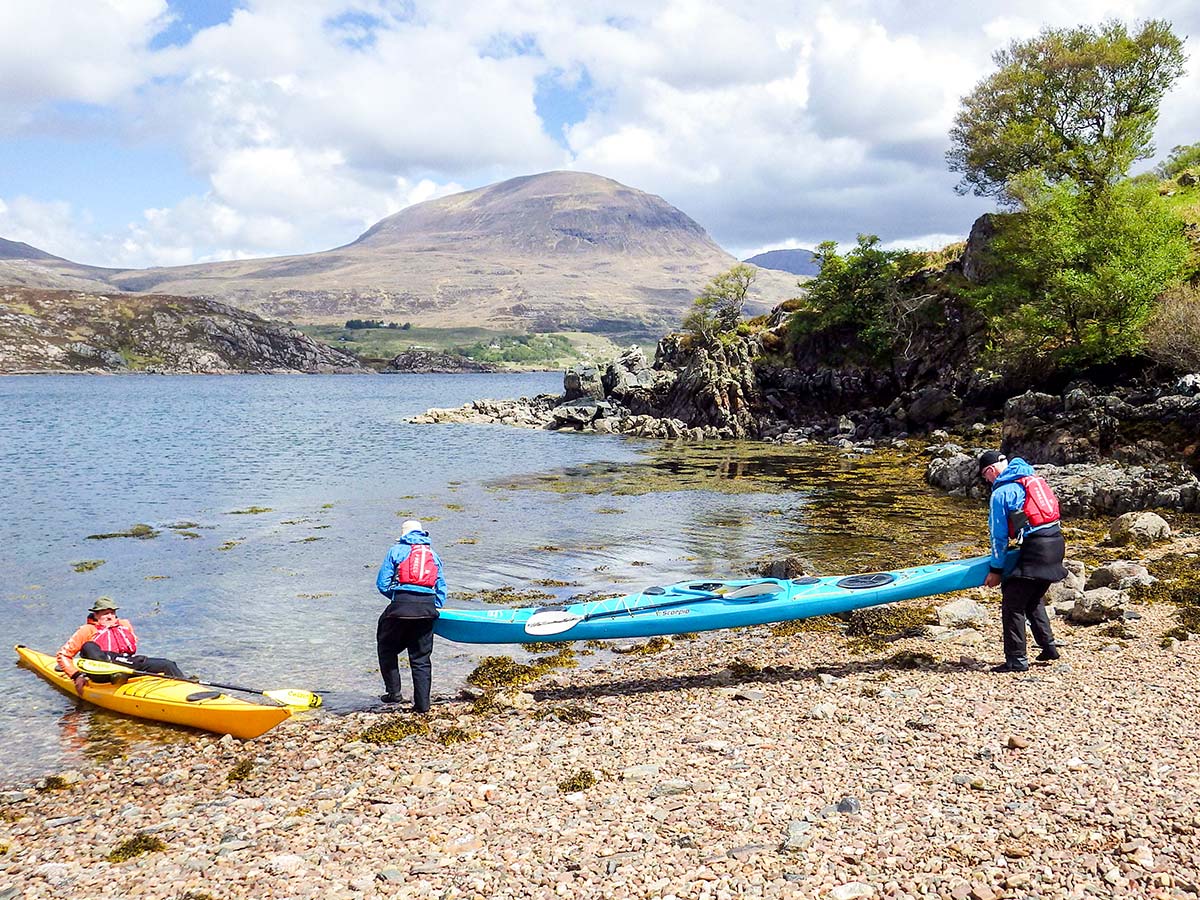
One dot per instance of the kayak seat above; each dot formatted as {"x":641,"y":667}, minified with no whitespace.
{"x":861,"y":582}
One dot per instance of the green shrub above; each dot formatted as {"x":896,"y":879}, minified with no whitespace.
{"x":1077,"y":274}
{"x":860,"y":291}
{"x":1173,"y":335}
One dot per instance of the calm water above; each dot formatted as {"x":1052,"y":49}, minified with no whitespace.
{"x":286,"y":597}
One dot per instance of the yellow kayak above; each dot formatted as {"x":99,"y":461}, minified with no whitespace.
{"x":165,"y":700}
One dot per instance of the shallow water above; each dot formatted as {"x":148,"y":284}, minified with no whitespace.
{"x":285,"y":597}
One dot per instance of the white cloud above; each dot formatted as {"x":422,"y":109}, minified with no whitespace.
{"x":63,"y":50}
{"x":764,"y":119}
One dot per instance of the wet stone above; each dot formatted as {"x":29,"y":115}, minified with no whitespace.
{"x":849,"y":805}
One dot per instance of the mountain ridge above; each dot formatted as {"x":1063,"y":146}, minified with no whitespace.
{"x":552,"y":251}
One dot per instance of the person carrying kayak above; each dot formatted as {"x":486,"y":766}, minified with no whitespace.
{"x":411,"y":578}
{"x":105,"y":637}
{"x":1022,"y":508}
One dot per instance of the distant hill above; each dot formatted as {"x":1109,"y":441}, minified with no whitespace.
{"x":555,"y":251}
{"x":798,"y":261}
{"x":65,"y":331}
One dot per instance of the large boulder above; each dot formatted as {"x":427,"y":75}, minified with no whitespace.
{"x":962,"y":613}
{"x":583,"y":381}
{"x":1121,"y":573}
{"x":977,"y":265}
{"x":1098,"y":605}
{"x":1140,"y":528}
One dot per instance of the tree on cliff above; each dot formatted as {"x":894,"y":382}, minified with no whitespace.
{"x":718,"y":309}
{"x":1077,"y":277}
{"x":1076,"y":104}
{"x":860,"y":291}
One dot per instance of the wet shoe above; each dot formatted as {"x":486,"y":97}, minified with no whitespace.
{"x":1011,"y":667}
{"x":1049,"y":655}
{"x":390,"y":698}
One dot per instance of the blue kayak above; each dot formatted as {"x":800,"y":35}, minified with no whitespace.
{"x":702,"y":605}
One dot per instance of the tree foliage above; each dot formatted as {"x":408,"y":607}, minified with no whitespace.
{"x":1178,"y":161}
{"x":861,"y":291}
{"x":1077,"y":275}
{"x":1077,"y":104}
{"x":718,"y":309}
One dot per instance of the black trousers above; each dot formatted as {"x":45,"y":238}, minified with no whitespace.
{"x":91,"y":650}
{"x":1021,"y":599}
{"x":393,"y":636}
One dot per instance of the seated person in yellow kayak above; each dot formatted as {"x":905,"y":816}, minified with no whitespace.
{"x":107,"y":638}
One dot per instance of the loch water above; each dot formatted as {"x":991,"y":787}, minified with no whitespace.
{"x":274,"y":498}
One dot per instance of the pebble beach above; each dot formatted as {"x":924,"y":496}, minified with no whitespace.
{"x":743,"y":763}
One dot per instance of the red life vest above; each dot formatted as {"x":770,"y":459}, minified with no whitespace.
{"x":117,"y":639}
{"x":418,"y":568}
{"x":1041,"y":506}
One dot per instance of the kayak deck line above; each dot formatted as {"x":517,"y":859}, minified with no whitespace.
{"x":684,"y":607}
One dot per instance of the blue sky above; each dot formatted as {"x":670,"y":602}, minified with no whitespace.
{"x":158,"y":132}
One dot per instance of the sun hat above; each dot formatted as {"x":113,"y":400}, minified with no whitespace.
{"x":101,"y":604}
{"x":990,"y":458}
{"x":410,"y":525}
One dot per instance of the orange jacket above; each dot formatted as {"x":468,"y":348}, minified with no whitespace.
{"x":68,"y":651}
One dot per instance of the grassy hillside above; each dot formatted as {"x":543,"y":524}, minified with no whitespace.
{"x":554,"y":350}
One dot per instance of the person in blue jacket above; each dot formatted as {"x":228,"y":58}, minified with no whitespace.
{"x":1022,"y":508}
{"x":411,"y":578}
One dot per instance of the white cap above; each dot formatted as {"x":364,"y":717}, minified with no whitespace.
{"x":410,"y":525}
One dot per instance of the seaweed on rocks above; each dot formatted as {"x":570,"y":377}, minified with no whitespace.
{"x":141,"y":531}
{"x":136,"y":846}
{"x":87,"y":565}
{"x":241,"y":771}
{"x":454,"y":735}
{"x":579,"y":781}
{"x":567,"y":713}
{"x":813,"y":625}
{"x":393,"y":729}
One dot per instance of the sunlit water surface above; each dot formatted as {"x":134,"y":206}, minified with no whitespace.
{"x":286,"y":597}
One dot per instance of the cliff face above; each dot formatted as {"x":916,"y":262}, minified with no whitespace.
{"x":73,"y":331}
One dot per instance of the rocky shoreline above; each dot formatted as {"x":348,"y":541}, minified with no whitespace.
{"x":1130,"y":448}
{"x":873,"y":757}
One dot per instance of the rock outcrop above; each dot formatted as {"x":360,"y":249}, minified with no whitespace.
{"x":434,"y":362}
{"x":72,"y":331}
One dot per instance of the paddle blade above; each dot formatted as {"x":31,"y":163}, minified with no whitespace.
{"x":294,"y":699}
{"x":546,"y":622}
{"x":101,"y":667}
{"x":754,"y":591}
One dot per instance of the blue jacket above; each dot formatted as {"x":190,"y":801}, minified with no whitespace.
{"x":398,"y":554}
{"x":1008,"y":495}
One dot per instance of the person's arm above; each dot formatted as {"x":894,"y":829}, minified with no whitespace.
{"x":126,"y":623}
{"x":68,"y":651}
{"x":383,"y":581}
{"x":439,"y":589}
{"x":1003,"y":500}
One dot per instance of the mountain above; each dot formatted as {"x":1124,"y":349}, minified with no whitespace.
{"x":797,"y":261}
{"x":65,"y":331}
{"x":555,"y":251}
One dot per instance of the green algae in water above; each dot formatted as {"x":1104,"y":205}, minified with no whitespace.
{"x":250,"y":511}
{"x":454,"y":507}
{"x":554,"y":582}
{"x":579,"y":781}
{"x":143,"y":843}
{"x":393,"y":729}
{"x":241,"y":771}
{"x":229,"y":545}
{"x":87,"y":565}
{"x":506,"y":595}
{"x":140,"y":531}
